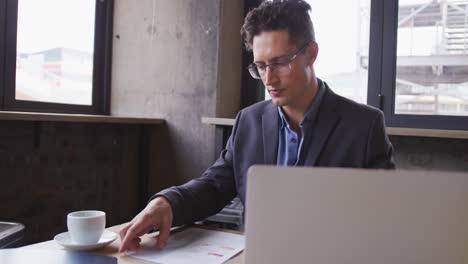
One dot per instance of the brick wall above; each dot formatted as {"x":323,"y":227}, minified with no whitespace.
{"x":48,"y":169}
{"x":422,"y":153}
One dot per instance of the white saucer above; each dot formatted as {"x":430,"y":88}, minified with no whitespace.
{"x":64,"y":239}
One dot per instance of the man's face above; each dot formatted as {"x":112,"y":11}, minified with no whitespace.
{"x":288,"y":86}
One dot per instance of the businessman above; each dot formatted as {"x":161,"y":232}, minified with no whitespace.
{"x":304,"y":124}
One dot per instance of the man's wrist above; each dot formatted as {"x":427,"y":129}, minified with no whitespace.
{"x":160,"y":201}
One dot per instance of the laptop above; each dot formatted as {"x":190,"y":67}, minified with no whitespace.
{"x":355,"y":216}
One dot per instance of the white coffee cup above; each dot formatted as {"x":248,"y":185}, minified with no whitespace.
{"x":86,"y":227}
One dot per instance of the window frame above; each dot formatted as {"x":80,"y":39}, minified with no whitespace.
{"x":252,"y":90}
{"x":384,"y":34}
{"x":102,"y":59}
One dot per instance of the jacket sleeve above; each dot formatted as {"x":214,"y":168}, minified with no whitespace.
{"x":206,"y":195}
{"x":379,"y":151}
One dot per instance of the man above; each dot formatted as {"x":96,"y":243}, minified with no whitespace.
{"x":304,"y":124}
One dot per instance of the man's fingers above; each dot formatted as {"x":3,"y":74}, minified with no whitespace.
{"x":157,"y":213}
{"x":164,"y":232}
{"x":123,"y":232}
{"x":145,"y":231}
{"x":129,"y":236}
{"x":134,"y":244}
{"x":132,"y":232}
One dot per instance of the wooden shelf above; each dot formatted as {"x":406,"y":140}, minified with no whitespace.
{"x":417,"y":132}
{"x":30,"y":116}
{"x":218,"y":121}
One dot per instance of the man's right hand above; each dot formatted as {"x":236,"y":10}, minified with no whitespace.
{"x":158,"y":213}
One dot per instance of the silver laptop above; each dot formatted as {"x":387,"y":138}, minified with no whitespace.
{"x":355,"y":216}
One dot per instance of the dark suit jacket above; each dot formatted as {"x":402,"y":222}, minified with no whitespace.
{"x":344,"y":134}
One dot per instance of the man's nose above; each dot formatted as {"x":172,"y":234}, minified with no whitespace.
{"x":269,"y":77}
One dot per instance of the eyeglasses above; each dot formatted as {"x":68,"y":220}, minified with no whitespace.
{"x":281,"y":67}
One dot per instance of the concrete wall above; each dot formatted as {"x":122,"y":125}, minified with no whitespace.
{"x":171,"y":60}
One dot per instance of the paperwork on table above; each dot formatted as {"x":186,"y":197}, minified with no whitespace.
{"x":194,"y":245}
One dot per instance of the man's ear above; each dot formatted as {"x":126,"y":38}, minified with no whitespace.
{"x":312,"y":52}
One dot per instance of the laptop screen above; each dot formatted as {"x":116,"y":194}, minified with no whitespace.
{"x":331,"y":215}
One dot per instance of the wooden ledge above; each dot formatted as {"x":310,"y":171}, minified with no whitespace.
{"x":419,"y":132}
{"x":52,"y":117}
{"x":218,"y":121}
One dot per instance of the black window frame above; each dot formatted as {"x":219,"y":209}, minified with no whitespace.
{"x":102,"y":59}
{"x":252,"y":90}
{"x":382,"y":77}
{"x":381,"y":72}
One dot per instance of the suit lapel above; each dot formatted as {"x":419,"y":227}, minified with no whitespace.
{"x":325,"y":122}
{"x":270,"y":121}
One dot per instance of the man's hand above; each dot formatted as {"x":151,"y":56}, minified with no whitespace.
{"x":158,"y":213}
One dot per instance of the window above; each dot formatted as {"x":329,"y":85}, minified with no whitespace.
{"x":423,"y":63}
{"x":343,"y":53}
{"x":56,"y":55}
{"x":432,"y":55}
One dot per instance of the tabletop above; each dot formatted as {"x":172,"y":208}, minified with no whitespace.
{"x":123,"y":258}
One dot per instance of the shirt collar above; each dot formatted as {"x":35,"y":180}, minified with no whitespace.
{"x":284,"y":121}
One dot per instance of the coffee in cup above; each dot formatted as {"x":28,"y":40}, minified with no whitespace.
{"x":86,"y":227}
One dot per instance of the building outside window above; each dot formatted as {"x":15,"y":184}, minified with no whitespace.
{"x":432,"y":57}
{"x":56,"y":67}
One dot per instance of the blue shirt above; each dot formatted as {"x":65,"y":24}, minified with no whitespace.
{"x":289,"y":144}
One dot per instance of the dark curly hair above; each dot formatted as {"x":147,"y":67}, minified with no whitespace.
{"x":292,"y":15}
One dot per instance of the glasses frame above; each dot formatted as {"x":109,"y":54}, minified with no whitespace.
{"x":255,"y":73}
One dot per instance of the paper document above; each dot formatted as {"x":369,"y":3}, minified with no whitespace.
{"x":194,"y":245}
